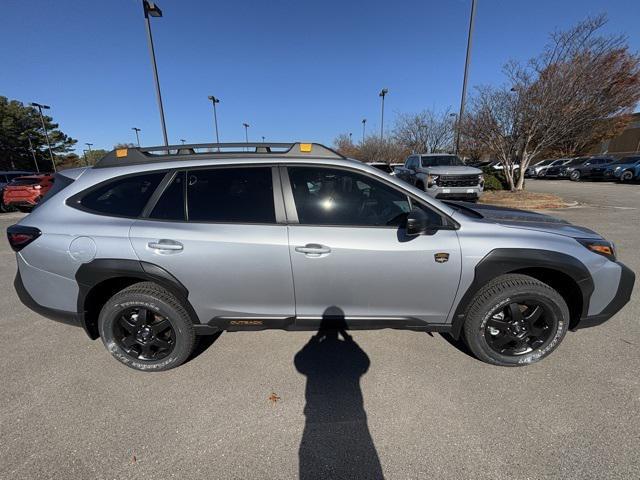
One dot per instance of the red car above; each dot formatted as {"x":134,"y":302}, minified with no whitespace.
{"x":25,"y":192}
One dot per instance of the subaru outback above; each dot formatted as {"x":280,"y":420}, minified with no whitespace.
{"x":154,"y":246}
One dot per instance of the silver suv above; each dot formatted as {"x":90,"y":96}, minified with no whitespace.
{"x":152,"y":247}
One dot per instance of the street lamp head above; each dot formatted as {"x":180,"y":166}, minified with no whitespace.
{"x":213,"y":99}
{"x":150,"y":8}
{"x":364,"y":120}
{"x":135,"y":129}
{"x":246,"y":125}
{"x":39,"y":105}
{"x":383,"y":92}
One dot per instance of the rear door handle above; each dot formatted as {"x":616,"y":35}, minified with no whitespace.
{"x":166,"y":245}
{"x":313,"y":249}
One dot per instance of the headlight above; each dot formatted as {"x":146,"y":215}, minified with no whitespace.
{"x":617,"y":169}
{"x":431,"y":179}
{"x":601,"y":247}
{"x":480,"y":178}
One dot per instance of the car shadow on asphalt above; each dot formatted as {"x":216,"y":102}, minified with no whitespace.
{"x":202,"y":344}
{"x":458,"y":344}
{"x":336,"y":442}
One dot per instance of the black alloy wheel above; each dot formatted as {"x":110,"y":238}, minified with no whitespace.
{"x":575,"y":175}
{"x":144,"y":334}
{"x":519,"y":328}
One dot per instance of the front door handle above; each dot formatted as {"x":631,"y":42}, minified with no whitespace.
{"x":313,"y":249}
{"x":166,"y":245}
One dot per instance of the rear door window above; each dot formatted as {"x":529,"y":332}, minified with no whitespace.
{"x":122,"y":197}
{"x":230,"y":195}
{"x":170,"y":205}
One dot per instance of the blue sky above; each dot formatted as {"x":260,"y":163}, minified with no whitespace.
{"x":293,"y":70}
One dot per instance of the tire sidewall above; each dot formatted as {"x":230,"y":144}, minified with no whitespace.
{"x":575,"y":175}
{"x":479,"y":324}
{"x":626,"y":176}
{"x":111,"y":312}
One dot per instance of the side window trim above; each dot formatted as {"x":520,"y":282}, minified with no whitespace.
{"x":166,"y":181}
{"x":287,"y":194}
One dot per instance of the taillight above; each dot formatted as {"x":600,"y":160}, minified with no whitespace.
{"x":20,"y":236}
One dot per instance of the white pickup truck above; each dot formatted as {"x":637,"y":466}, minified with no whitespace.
{"x":442,"y":175}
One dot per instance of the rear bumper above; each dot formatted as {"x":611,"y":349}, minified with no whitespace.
{"x":621,"y":298}
{"x":70,"y":318}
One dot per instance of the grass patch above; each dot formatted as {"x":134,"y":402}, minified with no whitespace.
{"x":523,"y":200}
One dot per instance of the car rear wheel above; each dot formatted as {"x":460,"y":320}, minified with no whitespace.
{"x":147,"y":328}
{"x":575,"y":176}
{"x":626,"y":176}
{"x":515,"y":320}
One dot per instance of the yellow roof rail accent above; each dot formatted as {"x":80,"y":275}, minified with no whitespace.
{"x":121,"y":152}
{"x":305,"y":147}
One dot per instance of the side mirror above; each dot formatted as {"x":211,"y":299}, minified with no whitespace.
{"x":418,"y":222}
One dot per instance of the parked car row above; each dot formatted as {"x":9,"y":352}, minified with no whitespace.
{"x":23,"y":190}
{"x":625,"y":169}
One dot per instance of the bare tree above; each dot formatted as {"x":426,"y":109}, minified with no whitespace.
{"x":425,"y":132}
{"x":373,"y":149}
{"x":578,"y":91}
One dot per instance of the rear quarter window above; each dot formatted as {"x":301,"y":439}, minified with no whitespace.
{"x":121,"y":197}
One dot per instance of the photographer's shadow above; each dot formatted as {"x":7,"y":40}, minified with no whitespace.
{"x":336,"y":442}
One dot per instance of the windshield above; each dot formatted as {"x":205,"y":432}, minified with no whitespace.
{"x":626,"y":160}
{"x":441,"y":161}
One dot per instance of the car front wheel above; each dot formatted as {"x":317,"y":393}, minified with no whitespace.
{"x":515,"y":320}
{"x":575,"y":176}
{"x":626,"y":176}
{"x":147,"y":328}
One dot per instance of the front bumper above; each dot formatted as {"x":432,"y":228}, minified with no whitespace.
{"x":466,"y":193}
{"x":621,"y":298}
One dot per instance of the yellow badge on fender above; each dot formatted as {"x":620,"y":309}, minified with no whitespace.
{"x":441,"y":257}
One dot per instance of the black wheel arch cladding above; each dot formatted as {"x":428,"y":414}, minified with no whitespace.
{"x":501,"y":261}
{"x":107,"y":276}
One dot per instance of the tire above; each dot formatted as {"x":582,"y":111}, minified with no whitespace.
{"x":626,"y":176}
{"x":575,"y":176}
{"x":484,"y":330}
{"x":147,"y":328}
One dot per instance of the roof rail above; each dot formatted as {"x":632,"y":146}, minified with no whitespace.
{"x":213,"y":151}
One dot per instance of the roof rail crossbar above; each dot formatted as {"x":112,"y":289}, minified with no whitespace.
{"x":140,"y":155}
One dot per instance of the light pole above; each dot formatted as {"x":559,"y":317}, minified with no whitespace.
{"x":350,"y":137}
{"x":455,"y":131}
{"x":84,"y":154}
{"x":89,"y":145}
{"x":151,"y":9}
{"x":246,"y":132}
{"x":33,"y":153}
{"x":215,"y":100}
{"x":263,"y":139}
{"x":44,"y":127}
{"x":466,"y":71}
{"x":183,"y":140}
{"x":383,"y":93}
{"x":137,"y":130}
{"x":364,"y":123}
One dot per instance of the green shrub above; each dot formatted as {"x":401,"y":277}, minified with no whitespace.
{"x":491,"y":182}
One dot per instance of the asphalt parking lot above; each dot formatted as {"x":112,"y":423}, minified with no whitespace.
{"x":404,"y":405}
